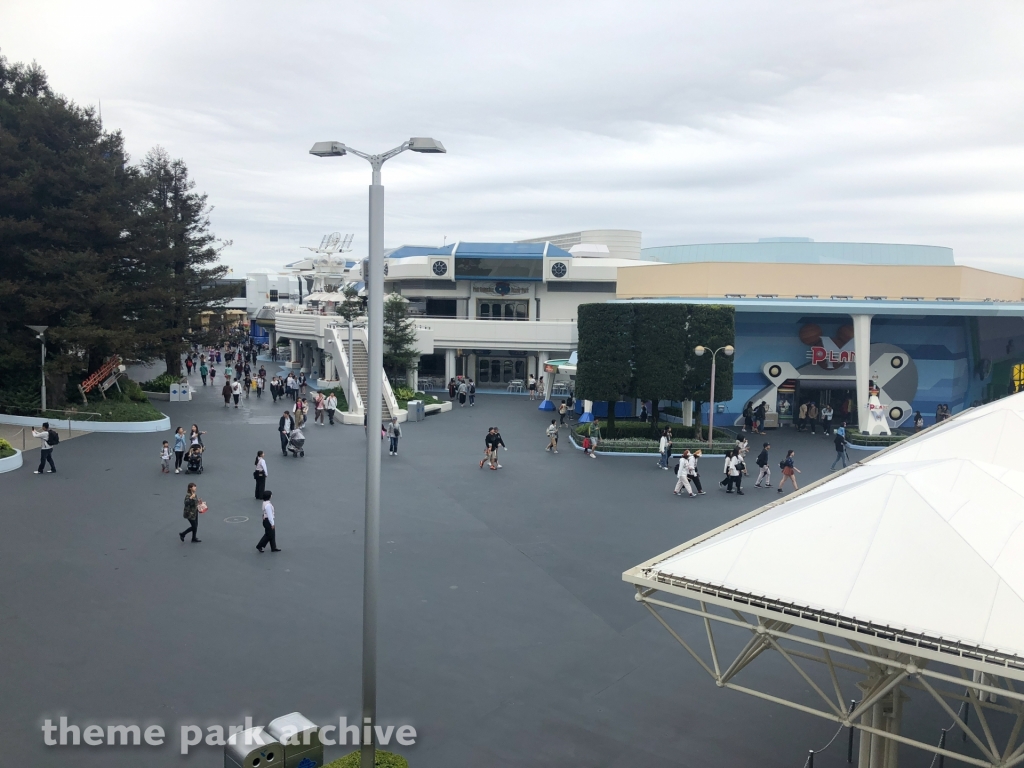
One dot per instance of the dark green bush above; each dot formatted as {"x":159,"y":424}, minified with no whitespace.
{"x":381,"y":760}
{"x":639,"y":429}
{"x":161,"y":383}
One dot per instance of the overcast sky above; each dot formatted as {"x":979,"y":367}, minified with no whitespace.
{"x":693,"y":122}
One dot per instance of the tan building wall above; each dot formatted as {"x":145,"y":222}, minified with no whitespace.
{"x":823,"y":281}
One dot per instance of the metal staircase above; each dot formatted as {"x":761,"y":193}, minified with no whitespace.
{"x":360,"y":366}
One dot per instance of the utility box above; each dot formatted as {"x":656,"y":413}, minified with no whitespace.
{"x":416,"y":411}
{"x":253,"y":748}
{"x":301,"y":739}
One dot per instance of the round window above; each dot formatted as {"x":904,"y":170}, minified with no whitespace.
{"x":440,"y":268}
{"x":558,"y":269}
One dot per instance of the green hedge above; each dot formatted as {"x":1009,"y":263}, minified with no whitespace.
{"x":640,"y":429}
{"x":641,"y":445}
{"x":381,"y":760}
{"x":859,"y":438}
{"x":161,"y":383}
{"x":108,"y":410}
{"x":6,"y":449}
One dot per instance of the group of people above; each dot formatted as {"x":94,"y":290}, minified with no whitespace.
{"x":492,"y":442}
{"x":754,"y":417}
{"x":188,"y":451}
{"x":463,"y":389}
{"x":195,"y":506}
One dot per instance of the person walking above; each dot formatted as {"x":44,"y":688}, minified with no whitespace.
{"x":496,"y":442}
{"x":552,"y":433}
{"x":452,"y":389}
{"x":765,"y":472}
{"x":734,"y":472}
{"x":683,"y":476}
{"x":760,"y":412}
{"x":665,"y":447}
{"x":801,"y":417}
{"x":225,"y":392}
{"x":319,"y":406}
{"x":487,"y":447}
{"x":260,"y":474}
{"x":180,"y":443}
{"x":918,"y":421}
{"x":261,"y":383}
{"x":300,"y":412}
{"x":748,"y":416}
{"x":188,"y":365}
{"x":204,"y":371}
{"x":643,"y":411}
{"x":236,"y":391}
{"x":840,"y":443}
{"x":47,"y":440}
{"x":394,"y":432}
{"x":725,"y":482}
{"x":165,"y":458}
{"x":531,"y":385}
{"x":331,"y":405}
{"x":789,"y":470}
{"x":472,"y":393}
{"x":692,"y":474}
{"x":192,"y":502}
{"x":812,"y":417}
{"x":285,"y":425}
{"x":563,"y":411}
{"x":302,"y":383}
{"x":213,"y":376}
{"x":269,"y":526}
{"x":463,"y":393}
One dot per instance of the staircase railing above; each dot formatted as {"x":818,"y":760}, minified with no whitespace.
{"x":389,"y":394}
{"x":339,"y":356}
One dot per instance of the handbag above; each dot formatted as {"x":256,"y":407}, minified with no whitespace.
{"x":202,"y":507}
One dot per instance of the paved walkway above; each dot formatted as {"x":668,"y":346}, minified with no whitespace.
{"x":506,"y":634}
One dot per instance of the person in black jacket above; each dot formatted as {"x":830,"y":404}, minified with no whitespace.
{"x":284,"y":427}
{"x":840,"y":443}
{"x":766,"y":471}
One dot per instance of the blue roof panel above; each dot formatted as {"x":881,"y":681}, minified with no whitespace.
{"x":484,"y":251}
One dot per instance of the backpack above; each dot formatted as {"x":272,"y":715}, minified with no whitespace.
{"x":52,"y":438}
{"x":782,"y":464}
{"x":586,"y":443}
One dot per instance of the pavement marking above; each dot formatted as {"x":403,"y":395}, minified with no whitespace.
{"x":236,"y":519}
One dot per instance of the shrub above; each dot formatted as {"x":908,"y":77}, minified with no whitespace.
{"x":381,"y":760}
{"x":639,"y":429}
{"x":338,"y":393}
{"x":132,"y":390}
{"x":404,"y":393}
{"x":860,"y":438}
{"x":6,"y":449}
{"x":161,"y":383}
{"x":111,"y":409}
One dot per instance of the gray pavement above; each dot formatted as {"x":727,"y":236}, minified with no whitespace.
{"x":507,"y":636}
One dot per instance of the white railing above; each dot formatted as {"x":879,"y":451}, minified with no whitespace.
{"x":339,"y":357}
{"x":389,"y":394}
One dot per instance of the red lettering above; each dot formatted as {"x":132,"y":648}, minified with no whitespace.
{"x":818,"y":355}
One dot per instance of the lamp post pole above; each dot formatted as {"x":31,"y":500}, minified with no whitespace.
{"x":351,"y":401}
{"x":41,"y":335}
{"x":372,"y":404}
{"x":728,"y":349}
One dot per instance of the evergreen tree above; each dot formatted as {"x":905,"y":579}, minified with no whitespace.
{"x":352,"y":306}
{"x":67,"y":202}
{"x":399,"y":336}
{"x":178,"y":259}
{"x":605,"y":351}
{"x":712,"y":327}
{"x":659,"y":348}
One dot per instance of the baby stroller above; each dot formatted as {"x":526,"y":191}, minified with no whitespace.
{"x":194,"y":460}
{"x":295,"y":442}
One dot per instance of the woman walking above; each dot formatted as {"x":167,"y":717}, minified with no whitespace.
{"x":180,"y":443}
{"x":319,"y":405}
{"x":735,"y":473}
{"x":260,"y":475}
{"x":192,"y":502}
{"x":789,"y":471}
{"x":665,"y":448}
{"x":225,"y":392}
{"x":694,"y":475}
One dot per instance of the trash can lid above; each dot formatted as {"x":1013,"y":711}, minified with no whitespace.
{"x":292,"y":729}
{"x":244,"y":743}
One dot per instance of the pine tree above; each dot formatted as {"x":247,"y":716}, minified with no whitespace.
{"x":605,"y":369}
{"x":399,"y":336}
{"x":351,"y":306}
{"x":181,"y":258}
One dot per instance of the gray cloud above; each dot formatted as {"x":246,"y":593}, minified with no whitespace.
{"x":693,"y":122}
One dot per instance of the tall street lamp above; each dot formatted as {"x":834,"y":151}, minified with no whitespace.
{"x":41,"y":335}
{"x":372,"y":404}
{"x":699,"y":352}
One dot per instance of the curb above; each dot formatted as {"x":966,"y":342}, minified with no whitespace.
{"x":11,"y":463}
{"x":160,"y":425}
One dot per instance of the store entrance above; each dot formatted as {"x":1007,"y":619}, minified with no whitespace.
{"x":842,"y":399}
{"x":499,"y":371}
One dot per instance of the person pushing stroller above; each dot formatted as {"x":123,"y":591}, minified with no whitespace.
{"x":296,"y":441}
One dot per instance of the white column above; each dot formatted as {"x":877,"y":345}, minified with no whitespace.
{"x":471,"y":365}
{"x":862,"y":366}
{"x":449,"y":365}
{"x":412,"y":377}
{"x":531,"y":366}
{"x":293,"y":352}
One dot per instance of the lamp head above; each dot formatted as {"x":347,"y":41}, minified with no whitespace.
{"x":729,"y":349}
{"x":698,"y":351}
{"x":39,"y":329}
{"x":424,"y":144}
{"x":328,"y":149}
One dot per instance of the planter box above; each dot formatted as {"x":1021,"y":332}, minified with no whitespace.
{"x":160,"y":425}
{"x":158,"y":395}
{"x":11,"y":463}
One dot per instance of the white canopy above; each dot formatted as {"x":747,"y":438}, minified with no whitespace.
{"x":927,"y":538}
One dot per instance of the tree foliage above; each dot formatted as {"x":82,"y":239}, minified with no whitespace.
{"x":85,"y":247}
{"x":646,"y":350}
{"x":399,"y":336}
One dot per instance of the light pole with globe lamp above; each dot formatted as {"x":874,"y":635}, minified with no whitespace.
{"x":372,"y":404}
{"x":699,"y":351}
{"x":41,"y":335}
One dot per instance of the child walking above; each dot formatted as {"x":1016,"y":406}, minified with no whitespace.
{"x":165,"y":458}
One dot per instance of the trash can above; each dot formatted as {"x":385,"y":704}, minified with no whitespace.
{"x":416,"y":412}
{"x":253,"y":748}
{"x":301,"y":740}
{"x":175,"y":392}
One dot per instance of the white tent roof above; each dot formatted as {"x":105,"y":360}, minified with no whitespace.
{"x":926,"y":538}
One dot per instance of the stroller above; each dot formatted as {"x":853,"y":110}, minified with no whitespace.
{"x":195,"y":461}
{"x":295,"y":442}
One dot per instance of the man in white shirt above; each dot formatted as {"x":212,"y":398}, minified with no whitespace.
{"x":236,"y":391}
{"x":269,"y":526}
{"x":331,"y":405}
{"x":46,"y":452}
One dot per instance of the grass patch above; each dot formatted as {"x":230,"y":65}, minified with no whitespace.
{"x":108,"y":410}
{"x":381,"y":759}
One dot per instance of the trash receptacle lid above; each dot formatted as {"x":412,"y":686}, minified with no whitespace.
{"x":292,"y":729}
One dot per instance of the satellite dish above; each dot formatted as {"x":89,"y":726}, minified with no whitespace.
{"x":330,"y":243}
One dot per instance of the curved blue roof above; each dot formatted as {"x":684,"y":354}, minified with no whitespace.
{"x":483,"y":251}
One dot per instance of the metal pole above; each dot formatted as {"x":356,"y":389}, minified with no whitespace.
{"x":711,"y":409}
{"x":942,"y":745}
{"x":849,"y":745}
{"x":351,"y":400}
{"x":42,"y":371}
{"x":810,"y":758}
{"x":371,"y":541}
